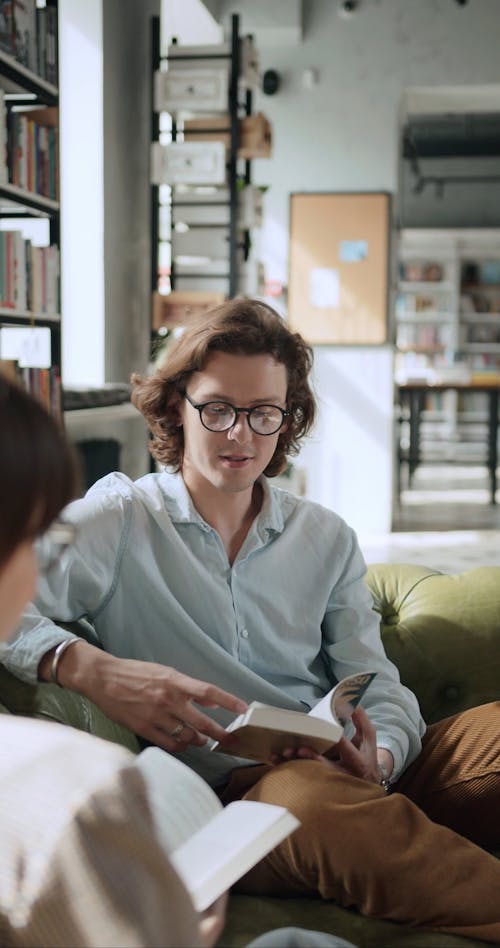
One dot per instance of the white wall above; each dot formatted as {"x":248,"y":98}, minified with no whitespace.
{"x":189,"y":22}
{"x":82,"y":226}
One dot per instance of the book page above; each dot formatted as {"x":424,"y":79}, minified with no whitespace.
{"x":227,"y":847}
{"x":341,"y":701}
{"x":181,"y":802}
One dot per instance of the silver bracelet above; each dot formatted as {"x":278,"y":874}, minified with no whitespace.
{"x":61,"y":648}
{"x":384,"y":778}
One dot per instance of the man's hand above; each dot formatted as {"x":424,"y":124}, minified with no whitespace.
{"x":359,"y":756}
{"x":153,"y":700}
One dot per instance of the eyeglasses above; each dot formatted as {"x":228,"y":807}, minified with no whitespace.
{"x":221,"y":416}
{"x":52,"y":546}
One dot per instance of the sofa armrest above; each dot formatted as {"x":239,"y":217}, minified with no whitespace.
{"x":443,"y":633}
{"x":62,"y":705}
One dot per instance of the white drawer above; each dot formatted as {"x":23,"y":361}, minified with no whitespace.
{"x":199,"y":90}
{"x":188,"y":163}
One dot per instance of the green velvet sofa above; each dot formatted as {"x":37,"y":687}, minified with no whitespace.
{"x":443,"y":633}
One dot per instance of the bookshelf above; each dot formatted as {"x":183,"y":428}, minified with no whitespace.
{"x":204,"y":206}
{"x":30,"y":319}
{"x":447,"y":330}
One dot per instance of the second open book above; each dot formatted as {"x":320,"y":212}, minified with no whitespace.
{"x":264,"y":731}
{"x":209,"y":846}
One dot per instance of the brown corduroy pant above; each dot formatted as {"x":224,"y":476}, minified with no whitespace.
{"x":410,"y":856}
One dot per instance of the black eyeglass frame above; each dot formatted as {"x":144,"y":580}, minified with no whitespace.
{"x":237,"y":411}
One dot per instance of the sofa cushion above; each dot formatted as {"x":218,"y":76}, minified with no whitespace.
{"x":249,"y":916}
{"x":442,"y":631}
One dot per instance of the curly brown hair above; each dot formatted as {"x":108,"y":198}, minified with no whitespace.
{"x":240,"y":326}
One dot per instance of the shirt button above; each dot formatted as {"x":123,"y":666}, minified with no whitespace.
{"x":244,"y":633}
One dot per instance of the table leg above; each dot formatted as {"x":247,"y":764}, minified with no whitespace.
{"x":492,"y":442}
{"x":416,"y":404}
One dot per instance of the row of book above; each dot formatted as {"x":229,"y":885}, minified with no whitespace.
{"x":43,"y":384}
{"x":29,"y":34}
{"x":29,"y":276}
{"x":427,"y":336}
{"x":481,"y":302}
{"x":29,"y":149}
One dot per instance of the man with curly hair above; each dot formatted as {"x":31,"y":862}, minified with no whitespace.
{"x":206,"y":569}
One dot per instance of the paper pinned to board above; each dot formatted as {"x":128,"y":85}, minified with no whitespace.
{"x":353,"y":251}
{"x":324,"y":287}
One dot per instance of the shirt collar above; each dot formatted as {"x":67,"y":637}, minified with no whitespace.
{"x":182,"y":510}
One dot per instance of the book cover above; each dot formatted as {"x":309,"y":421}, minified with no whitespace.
{"x":6,"y":28}
{"x":265,"y":731}
{"x":3,"y":139}
{"x":24,"y":29}
{"x":209,"y":845}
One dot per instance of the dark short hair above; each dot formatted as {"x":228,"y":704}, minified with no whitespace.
{"x":37,"y":469}
{"x":239,"y":327}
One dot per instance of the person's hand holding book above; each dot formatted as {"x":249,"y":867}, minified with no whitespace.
{"x":359,"y":756}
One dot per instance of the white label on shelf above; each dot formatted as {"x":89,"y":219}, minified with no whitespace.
{"x":28,"y":346}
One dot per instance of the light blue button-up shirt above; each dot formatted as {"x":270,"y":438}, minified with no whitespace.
{"x":289,"y":618}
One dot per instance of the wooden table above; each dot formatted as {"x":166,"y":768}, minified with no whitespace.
{"x":413,"y":395}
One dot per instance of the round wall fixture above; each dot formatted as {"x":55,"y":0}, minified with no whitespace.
{"x":270,"y":82}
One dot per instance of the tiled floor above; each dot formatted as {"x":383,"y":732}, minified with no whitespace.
{"x":445,"y":521}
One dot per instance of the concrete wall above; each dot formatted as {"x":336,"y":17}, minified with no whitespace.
{"x":127,"y":221}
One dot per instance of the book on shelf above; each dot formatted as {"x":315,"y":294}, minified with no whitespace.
{"x":43,"y":384}
{"x":29,"y":276}
{"x":264,"y":731}
{"x":24,"y":38}
{"x":47,"y":66}
{"x":210,"y":846}
{"x":4,"y":176}
{"x":6,"y":32}
{"x":9,"y":368}
{"x":29,"y":34}
{"x":32,"y":151}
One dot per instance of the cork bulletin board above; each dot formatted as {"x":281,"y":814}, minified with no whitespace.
{"x":338,"y":267}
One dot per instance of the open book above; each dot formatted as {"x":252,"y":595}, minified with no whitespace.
{"x":210,"y":846}
{"x":264,"y":731}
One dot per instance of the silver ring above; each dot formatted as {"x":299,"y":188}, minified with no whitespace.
{"x":177,"y":731}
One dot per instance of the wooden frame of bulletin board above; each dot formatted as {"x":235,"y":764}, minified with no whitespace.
{"x":339,"y":267}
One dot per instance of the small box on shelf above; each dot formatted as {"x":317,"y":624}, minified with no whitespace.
{"x":254,"y":133}
{"x":177,"y":308}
